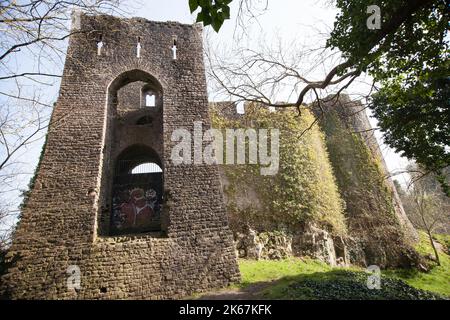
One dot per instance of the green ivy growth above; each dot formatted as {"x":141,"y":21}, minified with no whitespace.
{"x":303,"y":191}
{"x":25,"y":194}
{"x":358,"y":172}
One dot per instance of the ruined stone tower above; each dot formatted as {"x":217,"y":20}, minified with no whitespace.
{"x":109,"y":215}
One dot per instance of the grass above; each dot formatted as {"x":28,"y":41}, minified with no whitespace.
{"x":438,"y":278}
{"x":296,"y":278}
{"x":443,"y":239}
{"x":309,"y":279}
{"x":253,"y":271}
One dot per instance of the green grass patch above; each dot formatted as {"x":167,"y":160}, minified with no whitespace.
{"x":309,"y":279}
{"x":253,"y":271}
{"x":443,"y":239}
{"x":296,"y":278}
{"x":438,"y":278}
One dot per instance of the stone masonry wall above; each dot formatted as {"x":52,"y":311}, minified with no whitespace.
{"x":59,"y":226}
{"x":378,"y":231}
{"x":382,"y":233}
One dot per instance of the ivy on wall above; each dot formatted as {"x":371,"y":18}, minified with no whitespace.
{"x":304,"y":189}
{"x":25,"y":194}
{"x":358,"y":172}
{"x":370,"y":210}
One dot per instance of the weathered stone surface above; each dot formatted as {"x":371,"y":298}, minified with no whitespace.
{"x":377,"y":229}
{"x":66,"y":219}
{"x":265,"y":245}
{"x":315,"y":243}
{"x":312,"y":242}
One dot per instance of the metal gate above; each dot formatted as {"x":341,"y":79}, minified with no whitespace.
{"x":137,"y":195}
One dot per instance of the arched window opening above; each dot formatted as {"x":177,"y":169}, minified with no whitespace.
{"x":150,"y":100}
{"x":132,"y":199}
{"x":240,"y":107}
{"x":133,"y":90}
{"x":150,"y":96}
{"x":147,"y":167}
{"x":137,"y":191}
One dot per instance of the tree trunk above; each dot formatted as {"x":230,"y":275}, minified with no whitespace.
{"x":434,"y":248}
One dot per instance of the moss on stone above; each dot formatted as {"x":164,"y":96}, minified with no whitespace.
{"x":304,"y":189}
{"x":370,"y":209}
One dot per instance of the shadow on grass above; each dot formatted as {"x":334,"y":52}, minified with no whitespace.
{"x":343,"y":285}
{"x":330,"y":285}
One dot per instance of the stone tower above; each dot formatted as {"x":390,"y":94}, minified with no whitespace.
{"x":110,"y":216}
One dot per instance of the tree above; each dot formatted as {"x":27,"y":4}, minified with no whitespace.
{"x":212,"y":13}
{"x":408,"y":57}
{"x":428,"y":213}
{"x":33,"y":40}
{"x":425,"y":204}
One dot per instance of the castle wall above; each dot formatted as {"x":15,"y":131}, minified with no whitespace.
{"x":380,"y":230}
{"x":297,"y":211}
{"x":377,"y":231}
{"x":62,"y":223}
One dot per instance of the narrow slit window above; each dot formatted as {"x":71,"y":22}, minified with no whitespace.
{"x":99,"y":45}
{"x":138,"y":48}
{"x":174,"y":48}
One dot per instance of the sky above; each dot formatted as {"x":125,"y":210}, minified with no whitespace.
{"x":304,"y":23}
{"x":298,"y":24}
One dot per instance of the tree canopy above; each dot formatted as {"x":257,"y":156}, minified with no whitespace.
{"x":408,"y":57}
{"x":212,"y":13}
